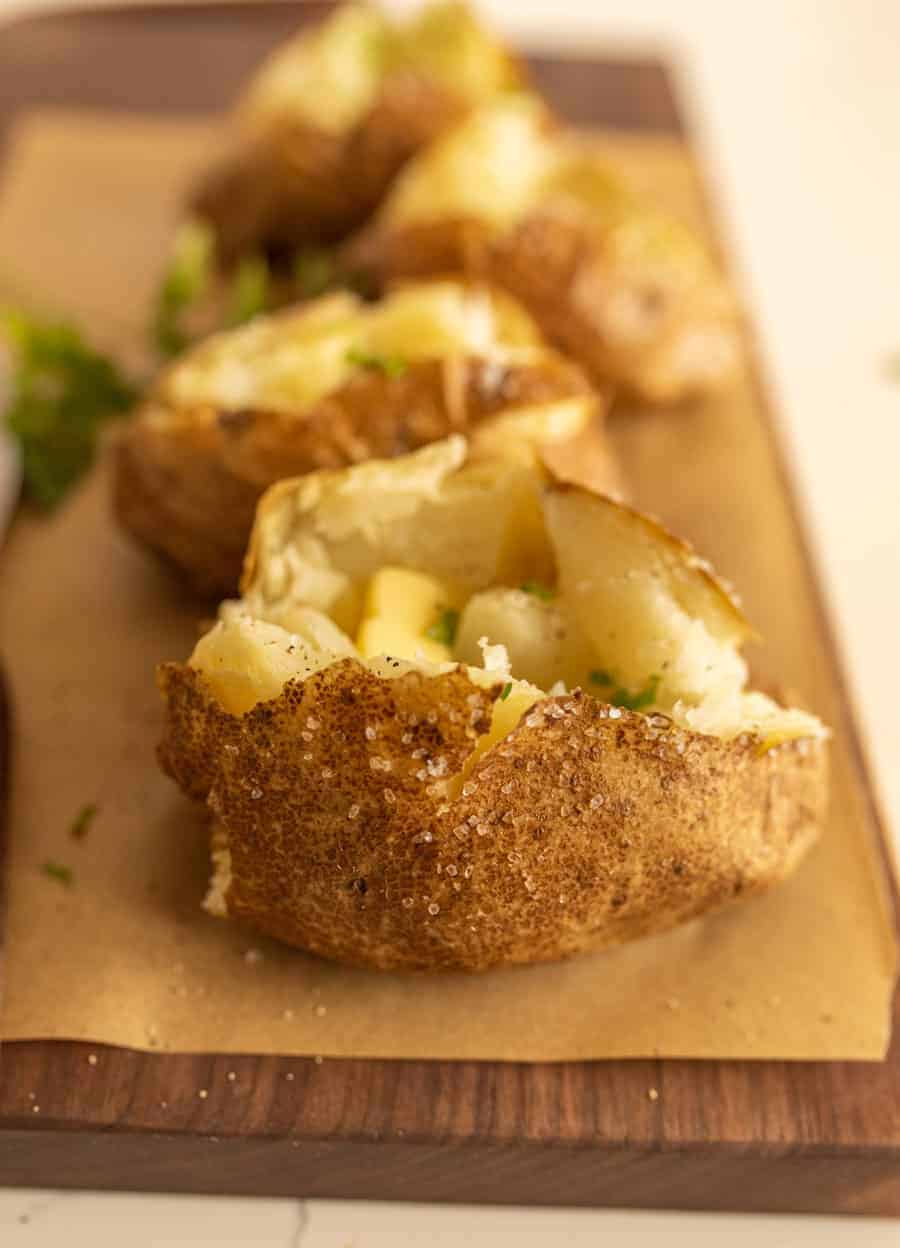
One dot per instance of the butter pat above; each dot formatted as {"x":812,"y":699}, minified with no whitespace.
{"x":399,"y":609}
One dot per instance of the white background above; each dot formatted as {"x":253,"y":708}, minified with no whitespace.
{"x":796,"y":107}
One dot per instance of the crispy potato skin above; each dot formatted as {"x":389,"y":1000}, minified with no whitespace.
{"x":188,"y":488}
{"x":556,"y":268}
{"x":297,"y":185}
{"x":580,"y":830}
{"x":382,"y":254}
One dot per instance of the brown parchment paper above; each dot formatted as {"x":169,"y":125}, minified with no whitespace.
{"x":125,"y":955}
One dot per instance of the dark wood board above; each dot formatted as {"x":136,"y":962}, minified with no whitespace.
{"x":821,"y":1137}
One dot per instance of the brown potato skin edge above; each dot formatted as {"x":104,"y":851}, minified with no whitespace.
{"x":190,"y":491}
{"x":579,"y":831}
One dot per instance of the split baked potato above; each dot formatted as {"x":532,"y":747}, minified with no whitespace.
{"x":620,"y":285}
{"x":467,"y":715}
{"x":330,"y":118}
{"x":322,"y":385}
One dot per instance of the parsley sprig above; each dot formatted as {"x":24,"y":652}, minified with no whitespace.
{"x":62,"y":393}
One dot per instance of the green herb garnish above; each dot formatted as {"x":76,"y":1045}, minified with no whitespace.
{"x":361,"y":283}
{"x":507,"y":690}
{"x":637,"y":701}
{"x":82,"y":821}
{"x":58,"y":871}
{"x":62,"y":392}
{"x":391,"y":365}
{"x":249,"y":291}
{"x":624,"y":697}
{"x":544,"y":592}
{"x":314,"y":271}
{"x":444,"y":628}
{"x":187,"y":281}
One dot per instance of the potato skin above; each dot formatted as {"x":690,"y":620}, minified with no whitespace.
{"x":586,"y":827}
{"x":557,"y":269}
{"x":296,"y":185}
{"x":381,"y":254}
{"x":188,"y":486}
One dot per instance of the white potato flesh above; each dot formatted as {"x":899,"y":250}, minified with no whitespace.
{"x":645,"y":601}
{"x":330,"y":75}
{"x":541,"y":642}
{"x":490,"y":167}
{"x":247,"y":660}
{"x":290,"y":360}
{"x":636,"y":616}
{"x":445,"y":42}
{"x":320,"y":539}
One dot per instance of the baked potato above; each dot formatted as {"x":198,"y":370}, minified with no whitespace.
{"x":330,"y":118}
{"x":466,"y":714}
{"x":322,"y":385}
{"x":620,"y":285}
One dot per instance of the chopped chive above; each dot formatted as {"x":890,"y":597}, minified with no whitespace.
{"x":58,"y":871}
{"x":391,"y":365}
{"x":600,"y":676}
{"x":444,"y":628}
{"x":539,"y":590}
{"x":249,"y":290}
{"x":637,"y":701}
{"x":82,"y":821}
{"x":507,"y":690}
{"x":187,"y":281}
{"x":314,"y":271}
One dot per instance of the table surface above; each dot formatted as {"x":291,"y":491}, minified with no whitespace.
{"x":796,"y":107}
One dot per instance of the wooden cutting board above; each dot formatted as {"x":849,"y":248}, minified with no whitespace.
{"x":717,"y":1135}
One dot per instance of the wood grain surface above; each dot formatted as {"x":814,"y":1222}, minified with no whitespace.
{"x":727,"y":1135}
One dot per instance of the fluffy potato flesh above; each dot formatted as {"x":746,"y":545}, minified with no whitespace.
{"x":331,"y":75}
{"x":578,"y":764}
{"x":289,"y":361}
{"x":577,"y":589}
{"x":507,"y":159}
{"x":490,"y":168}
{"x":446,"y":42}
